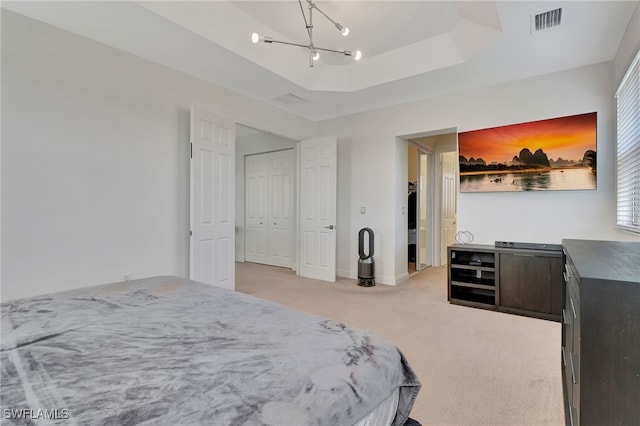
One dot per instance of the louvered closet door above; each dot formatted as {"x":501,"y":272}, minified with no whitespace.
{"x":270,"y":208}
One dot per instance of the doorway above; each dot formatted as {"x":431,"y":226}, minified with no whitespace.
{"x":308,"y":190}
{"x":251,"y":143}
{"x":440,"y":191}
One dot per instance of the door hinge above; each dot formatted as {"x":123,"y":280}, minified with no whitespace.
{"x":190,"y":233}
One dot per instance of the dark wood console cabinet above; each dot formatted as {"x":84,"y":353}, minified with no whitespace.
{"x":601,"y":333}
{"x":472,"y":276}
{"x":519,"y":281}
{"x":531,"y":283}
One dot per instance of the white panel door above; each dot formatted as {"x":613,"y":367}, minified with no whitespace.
{"x":281,"y":222}
{"x":449,"y":165}
{"x":257,"y":207}
{"x":212,"y":259}
{"x":318,"y":180}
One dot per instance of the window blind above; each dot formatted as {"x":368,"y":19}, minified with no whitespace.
{"x":628,"y":149}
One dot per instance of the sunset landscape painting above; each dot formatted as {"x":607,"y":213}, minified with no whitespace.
{"x":546,"y":155}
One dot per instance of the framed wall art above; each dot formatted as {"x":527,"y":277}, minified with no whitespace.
{"x":546,"y":155}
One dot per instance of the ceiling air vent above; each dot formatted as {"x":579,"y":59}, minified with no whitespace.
{"x":545,"y":20}
{"x":288,"y":99}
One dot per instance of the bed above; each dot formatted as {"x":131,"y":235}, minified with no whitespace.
{"x":169,"y":351}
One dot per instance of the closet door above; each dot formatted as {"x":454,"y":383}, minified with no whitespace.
{"x":281,"y":175}
{"x":270,"y":208}
{"x":257,"y":207}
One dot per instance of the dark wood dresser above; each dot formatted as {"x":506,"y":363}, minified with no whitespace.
{"x":601,"y":332}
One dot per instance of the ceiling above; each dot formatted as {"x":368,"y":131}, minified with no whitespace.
{"x":412,"y":50}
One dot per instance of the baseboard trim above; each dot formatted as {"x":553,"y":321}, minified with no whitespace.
{"x":353,"y":275}
{"x":343,"y":273}
{"x":402,"y":278}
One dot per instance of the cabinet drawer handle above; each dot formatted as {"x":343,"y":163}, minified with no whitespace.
{"x":567,"y":269}
{"x":573,"y":309}
{"x":564,"y":357}
{"x":571,"y":415}
{"x":574,"y":367}
{"x":565,"y":319}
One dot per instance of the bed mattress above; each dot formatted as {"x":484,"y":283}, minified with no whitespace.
{"x":167,"y":351}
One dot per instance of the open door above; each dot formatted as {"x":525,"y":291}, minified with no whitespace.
{"x":212,"y":259}
{"x":448,"y":211}
{"x":317,"y":218}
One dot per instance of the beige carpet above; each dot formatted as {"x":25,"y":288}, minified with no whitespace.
{"x":477,"y":367}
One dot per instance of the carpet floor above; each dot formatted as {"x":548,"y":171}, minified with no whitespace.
{"x":477,"y":367}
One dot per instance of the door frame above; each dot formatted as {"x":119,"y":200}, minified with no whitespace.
{"x":401,"y":272}
{"x":266,"y":142}
{"x":430,"y":189}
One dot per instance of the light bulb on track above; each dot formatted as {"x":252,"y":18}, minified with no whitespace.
{"x":314,"y":55}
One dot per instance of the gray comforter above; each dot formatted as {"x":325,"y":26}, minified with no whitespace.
{"x":169,"y":351}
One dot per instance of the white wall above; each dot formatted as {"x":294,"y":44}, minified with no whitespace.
{"x":628,"y":48}
{"x":247,"y":145}
{"x":95,"y":159}
{"x":369,"y":158}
